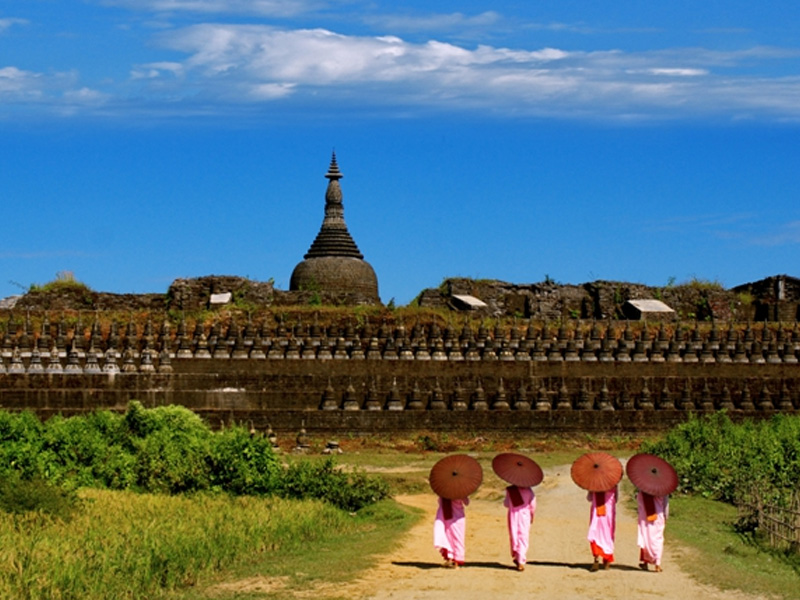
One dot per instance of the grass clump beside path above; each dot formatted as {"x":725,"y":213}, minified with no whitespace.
{"x":717,"y":555}
{"x":120,"y":544}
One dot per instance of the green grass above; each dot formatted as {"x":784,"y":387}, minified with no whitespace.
{"x":119,"y":544}
{"x":127,"y":545}
{"x":314,"y":570}
{"x":721,"y":557}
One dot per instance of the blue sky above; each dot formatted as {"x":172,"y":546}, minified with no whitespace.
{"x":147,"y":140}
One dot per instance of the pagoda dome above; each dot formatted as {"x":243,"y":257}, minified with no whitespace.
{"x":333,"y":263}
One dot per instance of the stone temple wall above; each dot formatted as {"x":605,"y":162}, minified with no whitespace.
{"x":604,"y":379}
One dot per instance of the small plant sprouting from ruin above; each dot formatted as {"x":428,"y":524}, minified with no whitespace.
{"x":65,"y":280}
{"x":745,"y":299}
{"x":704,"y":284}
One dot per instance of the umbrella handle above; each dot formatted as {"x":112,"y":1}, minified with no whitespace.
{"x":447,"y":509}
{"x":600,"y":502}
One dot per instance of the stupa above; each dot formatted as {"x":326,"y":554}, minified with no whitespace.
{"x":333,"y":265}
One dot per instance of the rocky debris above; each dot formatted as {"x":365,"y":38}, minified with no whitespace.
{"x":195,"y":294}
{"x":9,"y":302}
{"x":77,"y":298}
{"x":550,"y":301}
{"x":774,"y":298}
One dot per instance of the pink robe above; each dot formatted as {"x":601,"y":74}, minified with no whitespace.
{"x":651,"y":533}
{"x":519,"y":523}
{"x":449,"y":535}
{"x":602,"y":529}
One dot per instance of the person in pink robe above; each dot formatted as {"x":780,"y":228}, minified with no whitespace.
{"x":653,"y":513}
{"x":602,"y":526}
{"x":521,"y":505}
{"x":449,"y":531}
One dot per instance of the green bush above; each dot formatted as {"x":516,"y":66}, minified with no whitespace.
{"x":168,"y":450}
{"x":715,"y":457}
{"x":90,"y":450}
{"x":20,"y":442}
{"x":243,"y":464}
{"x":347,"y":490}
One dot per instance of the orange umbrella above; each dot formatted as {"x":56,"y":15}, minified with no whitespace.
{"x":652,"y":474}
{"x":517,"y":469}
{"x":596,"y":471}
{"x":456,"y":476}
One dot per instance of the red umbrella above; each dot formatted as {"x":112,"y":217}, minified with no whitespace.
{"x":517,"y":469}
{"x":596,"y":471}
{"x":652,"y":474}
{"x":456,"y":476}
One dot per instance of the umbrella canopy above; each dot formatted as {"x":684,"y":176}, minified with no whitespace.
{"x":517,"y":469}
{"x":596,"y":471}
{"x":456,"y":476}
{"x":652,"y":474}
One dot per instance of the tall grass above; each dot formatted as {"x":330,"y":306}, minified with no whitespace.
{"x":126,"y":545}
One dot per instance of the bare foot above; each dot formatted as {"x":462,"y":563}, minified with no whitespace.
{"x":659,"y":569}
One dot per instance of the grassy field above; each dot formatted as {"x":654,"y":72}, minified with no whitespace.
{"x":125,"y":545}
{"x":128,"y":545}
{"x":720,"y":556}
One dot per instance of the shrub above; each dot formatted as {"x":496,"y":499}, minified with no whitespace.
{"x":169,"y":450}
{"x":323,"y":480}
{"x":20,"y":442}
{"x":243,"y":464}
{"x":714,"y":457}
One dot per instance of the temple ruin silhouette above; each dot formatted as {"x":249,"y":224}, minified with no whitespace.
{"x":375,"y":374}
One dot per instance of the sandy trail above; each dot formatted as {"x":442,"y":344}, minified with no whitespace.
{"x":559,"y":557}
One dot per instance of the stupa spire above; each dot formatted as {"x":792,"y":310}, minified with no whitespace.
{"x":333,"y":171}
{"x":333,"y":263}
{"x":333,"y":238}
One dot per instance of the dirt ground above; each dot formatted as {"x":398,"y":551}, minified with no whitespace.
{"x":559,"y":557}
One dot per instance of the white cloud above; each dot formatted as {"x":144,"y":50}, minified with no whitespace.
{"x":8,"y":22}
{"x":785,"y":235}
{"x":672,"y":71}
{"x":318,"y":56}
{"x":157,"y":69}
{"x":85,"y":96}
{"x":262,"y":63}
{"x":16,"y":83}
{"x":270,"y":91}
{"x":433,"y":22}
{"x":274,"y":8}
{"x":22,"y":90}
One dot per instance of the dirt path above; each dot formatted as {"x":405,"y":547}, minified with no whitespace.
{"x":559,"y":557}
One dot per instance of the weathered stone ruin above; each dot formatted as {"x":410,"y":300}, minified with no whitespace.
{"x":528,"y":357}
{"x":580,"y":376}
{"x":333,"y":263}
